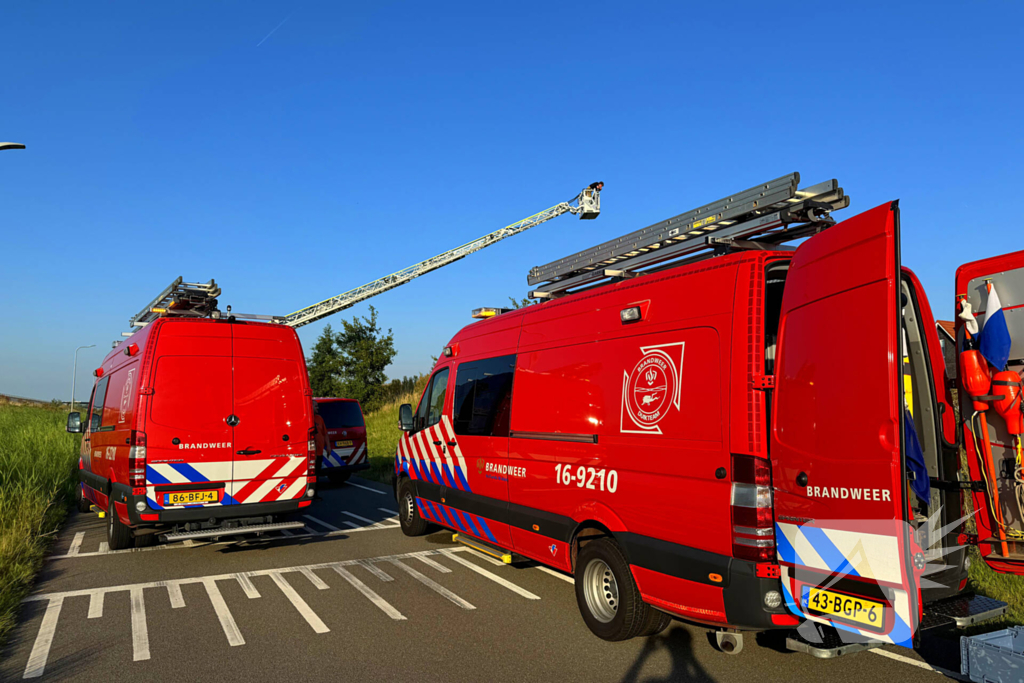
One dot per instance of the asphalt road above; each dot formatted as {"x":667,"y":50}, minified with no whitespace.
{"x":352,"y":599}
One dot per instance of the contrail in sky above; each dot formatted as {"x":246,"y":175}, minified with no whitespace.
{"x":274,"y":29}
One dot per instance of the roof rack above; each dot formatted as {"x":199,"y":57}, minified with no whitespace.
{"x":761,"y":217}
{"x":189,"y":300}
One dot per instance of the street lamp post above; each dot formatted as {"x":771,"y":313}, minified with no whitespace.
{"x":74,"y":373}
{"x":11,"y":145}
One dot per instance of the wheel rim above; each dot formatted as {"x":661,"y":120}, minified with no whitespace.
{"x":410,"y":508}
{"x":601,"y":591}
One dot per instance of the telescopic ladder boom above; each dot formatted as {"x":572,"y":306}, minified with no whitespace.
{"x":763,"y":216}
{"x":586,"y":205}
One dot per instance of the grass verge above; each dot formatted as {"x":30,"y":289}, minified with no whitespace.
{"x":382,"y":434}
{"x":37,"y":482}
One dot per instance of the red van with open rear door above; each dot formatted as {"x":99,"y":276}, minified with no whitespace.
{"x":197,"y":428}
{"x":699,"y":421}
{"x":346,"y":450}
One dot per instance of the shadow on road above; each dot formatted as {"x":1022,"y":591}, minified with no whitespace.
{"x":679,"y":644}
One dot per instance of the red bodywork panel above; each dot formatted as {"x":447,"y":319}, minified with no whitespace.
{"x":184,"y":385}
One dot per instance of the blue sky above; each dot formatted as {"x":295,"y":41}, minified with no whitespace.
{"x":170,"y":139}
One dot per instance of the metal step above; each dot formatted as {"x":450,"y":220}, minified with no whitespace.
{"x":231,"y":531}
{"x":831,"y":644}
{"x":961,"y":611}
{"x":506,"y":556}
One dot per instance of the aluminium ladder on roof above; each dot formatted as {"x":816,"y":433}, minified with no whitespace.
{"x":188,"y":298}
{"x":767,"y":214}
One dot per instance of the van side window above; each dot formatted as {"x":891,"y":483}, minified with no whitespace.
{"x":98,"y":398}
{"x":429,"y":412}
{"x":483,"y":396}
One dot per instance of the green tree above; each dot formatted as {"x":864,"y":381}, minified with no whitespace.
{"x":522,"y":303}
{"x":325,"y":365}
{"x":365,"y":352}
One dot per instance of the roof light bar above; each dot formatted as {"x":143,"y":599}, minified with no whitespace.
{"x":486,"y":312}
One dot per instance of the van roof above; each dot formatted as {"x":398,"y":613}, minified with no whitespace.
{"x":324,"y":399}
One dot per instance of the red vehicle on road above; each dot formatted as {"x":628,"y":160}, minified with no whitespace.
{"x":197,"y":427}
{"x":723,"y":440}
{"x":346,"y":432}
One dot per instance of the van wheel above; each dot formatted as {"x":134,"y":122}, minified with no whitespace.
{"x":657,"y":621}
{"x":119,"y":536}
{"x":338,"y":478}
{"x":145,"y":540}
{"x":81,"y":502}
{"x":606,"y":593}
{"x":408,"y":513}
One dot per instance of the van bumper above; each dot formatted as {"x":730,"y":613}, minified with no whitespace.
{"x":123,"y":494}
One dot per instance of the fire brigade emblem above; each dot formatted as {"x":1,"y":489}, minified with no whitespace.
{"x":652,"y":389}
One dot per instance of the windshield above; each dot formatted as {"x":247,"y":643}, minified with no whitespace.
{"x":341,"y":414}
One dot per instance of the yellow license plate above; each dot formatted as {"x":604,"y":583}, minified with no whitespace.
{"x":842,"y":607}
{"x":339,"y":444}
{"x":191,"y":497}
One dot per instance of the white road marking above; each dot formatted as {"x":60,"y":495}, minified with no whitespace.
{"x":370,"y":594}
{"x":390,"y":512}
{"x":44,"y":639}
{"x":227,"y":622}
{"x":174,"y":593}
{"x":96,"y":605}
{"x":366,"y":488}
{"x":322,"y":523}
{"x":493,"y":577}
{"x":353,"y":525}
{"x":104,"y":548}
{"x":920,"y":665}
{"x":485,"y":557}
{"x":556,"y":574}
{"x":376,"y":571}
{"x":314,"y":579}
{"x":368,"y":522}
{"x":76,"y":544}
{"x":434,"y":565}
{"x":433,"y":585}
{"x":308,"y":614}
{"x":247,"y":586}
{"x":140,"y":632}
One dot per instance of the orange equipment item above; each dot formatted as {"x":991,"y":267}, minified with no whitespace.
{"x":1006,"y":385}
{"x":977,"y":378}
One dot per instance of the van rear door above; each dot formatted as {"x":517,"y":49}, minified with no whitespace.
{"x":1006,"y":275}
{"x":189,"y":439}
{"x":273,"y":414}
{"x":837,"y":434}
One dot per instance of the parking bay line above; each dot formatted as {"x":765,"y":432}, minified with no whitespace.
{"x":76,"y":544}
{"x":368,"y":522}
{"x":301,"y":605}
{"x":433,"y":585}
{"x":492,"y":576}
{"x":370,"y":594}
{"x":140,"y":631}
{"x":227,"y":622}
{"x":329,"y":527}
{"x":367,"y":488}
{"x":41,"y":648}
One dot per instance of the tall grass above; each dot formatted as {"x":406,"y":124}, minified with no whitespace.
{"x":37,"y":482}
{"x":382,"y":434}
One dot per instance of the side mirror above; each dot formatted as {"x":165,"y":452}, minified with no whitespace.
{"x":75,"y":423}
{"x":405,"y":417}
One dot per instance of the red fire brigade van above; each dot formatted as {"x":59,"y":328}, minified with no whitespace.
{"x":197,"y":427}
{"x":345,"y":452}
{"x":723,"y":438}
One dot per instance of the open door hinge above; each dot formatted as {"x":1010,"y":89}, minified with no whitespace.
{"x":763,"y":382}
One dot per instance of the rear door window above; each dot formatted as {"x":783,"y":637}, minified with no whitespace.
{"x":341,"y":414}
{"x":483,"y":396}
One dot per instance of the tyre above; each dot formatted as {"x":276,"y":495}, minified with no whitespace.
{"x":145,"y":540}
{"x":337,"y":478}
{"x":119,"y":536}
{"x":657,"y":621}
{"x":81,"y":502}
{"x":608,"y":597}
{"x":408,"y":512}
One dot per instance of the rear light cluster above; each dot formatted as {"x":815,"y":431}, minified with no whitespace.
{"x":311,"y":451}
{"x":137,"y":459}
{"x":753,"y":529}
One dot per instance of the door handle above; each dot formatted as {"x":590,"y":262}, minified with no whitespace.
{"x":437,"y":443}
{"x":452,"y":444}
{"x":248,"y":452}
